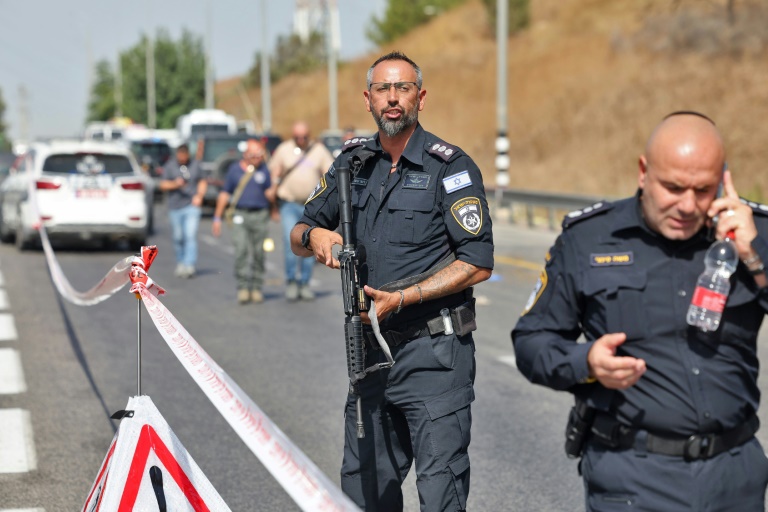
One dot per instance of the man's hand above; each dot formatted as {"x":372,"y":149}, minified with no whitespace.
{"x":733,"y":215}
{"x":216,"y":228}
{"x":197,"y":200}
{"x":321,"y":241}
{"x":386,"y":303}
{"x":612,"y":371}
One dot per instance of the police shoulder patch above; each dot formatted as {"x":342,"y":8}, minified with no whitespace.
{"x":442,"y":150}
{"x":757,"y":208}
{"x":585,"y":213}
{"x":353,"y":143}
{"x":318,"y":190}
{"x":538,"y":289}
{"x":469,"y":214}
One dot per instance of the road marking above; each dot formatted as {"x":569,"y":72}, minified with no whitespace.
{"x":17,"y":448}
{"x":4,"y":304}
{"x":7,"y":328}
{"x":11,"y":372}
{"x":510,"y":360}
{"x":516,"y":262}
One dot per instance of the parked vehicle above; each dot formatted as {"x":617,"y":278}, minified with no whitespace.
{"x":83,"y":190}
{"x":203,"y":121}
{"x":152,"y":154}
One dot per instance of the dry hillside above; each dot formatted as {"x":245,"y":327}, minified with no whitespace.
{"x":588,"y":81}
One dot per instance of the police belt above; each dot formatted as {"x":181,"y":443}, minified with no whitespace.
{"x":463,"y":315}
{"x":610,"y":432}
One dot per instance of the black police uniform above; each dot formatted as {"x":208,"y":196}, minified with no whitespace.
{"x":681,"y":438}
{"x":409,"y":221}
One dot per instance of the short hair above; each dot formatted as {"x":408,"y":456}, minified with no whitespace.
{"x":395,"y":55}
{"x":183,"y":148}
{"x":688,"y":113}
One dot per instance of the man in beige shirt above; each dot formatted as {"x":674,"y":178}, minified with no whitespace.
{"x":296,"y":167}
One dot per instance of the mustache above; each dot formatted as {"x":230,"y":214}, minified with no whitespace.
{"x":399,"y":110}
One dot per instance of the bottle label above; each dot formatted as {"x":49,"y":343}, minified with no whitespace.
{"x":708,"y":299}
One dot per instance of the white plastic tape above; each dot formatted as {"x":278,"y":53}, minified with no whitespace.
{"x":299,"y":476}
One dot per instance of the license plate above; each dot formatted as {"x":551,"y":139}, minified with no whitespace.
{"x":92,"y":193}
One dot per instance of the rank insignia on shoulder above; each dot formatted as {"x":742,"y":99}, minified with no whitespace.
{"x":469,"y":214}
{"x":442,"y":150}
{"x":353,"y":143}
{"x":611,"y":259}
{"x":457,"y":182}
{"x":319,"y":189}
{"x":761,"y":209}
{"x":585,"y":213}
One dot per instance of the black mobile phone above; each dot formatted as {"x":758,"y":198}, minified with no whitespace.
{"x":720,"y":192}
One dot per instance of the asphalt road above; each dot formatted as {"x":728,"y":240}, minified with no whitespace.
{"x":80,"y":366}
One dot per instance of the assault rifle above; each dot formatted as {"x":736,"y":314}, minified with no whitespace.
{"x":351,"y":258}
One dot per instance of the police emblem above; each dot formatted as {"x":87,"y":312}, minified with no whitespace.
{"x":468,"y":214}
{"x":538,"y":289}
{"x":319,"y":189}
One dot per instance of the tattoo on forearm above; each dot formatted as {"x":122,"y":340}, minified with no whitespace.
{"x":454,"y":278}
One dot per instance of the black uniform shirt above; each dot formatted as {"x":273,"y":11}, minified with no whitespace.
{"x":411,"y":219}
{"x":609,"y":273}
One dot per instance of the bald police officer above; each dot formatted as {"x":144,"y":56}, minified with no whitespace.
{"x":419,"y":207}
{"x":670,"y":410}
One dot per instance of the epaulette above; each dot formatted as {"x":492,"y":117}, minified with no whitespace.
{"x":353,"y":143}
{"x":758,"y":208}
{"x":442,"y":150}
{"x":585,"y":213}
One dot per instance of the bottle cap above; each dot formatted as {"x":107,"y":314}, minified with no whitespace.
{"x":730,"y":235}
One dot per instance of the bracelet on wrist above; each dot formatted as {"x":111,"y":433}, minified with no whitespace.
{"x":420,"y":296}
{"x":759,"y":270}
{"x":217,"y":219}
{"x":402,"y":298}
{"x":751,"y":260}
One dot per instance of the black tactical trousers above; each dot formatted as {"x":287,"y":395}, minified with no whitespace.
{"x":420,"y":408}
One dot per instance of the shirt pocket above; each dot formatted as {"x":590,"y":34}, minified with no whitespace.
{"x":359,"y":199}
{"x":617,"y":293}
{"x":411,"y":217}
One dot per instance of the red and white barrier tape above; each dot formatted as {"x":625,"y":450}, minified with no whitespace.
{"x":299,"y":476}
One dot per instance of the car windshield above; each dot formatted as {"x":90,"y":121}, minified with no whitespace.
{"x":214,"y":148}
{"x":158,"y":151}
{"x":198,"y":129}
{"x":87,"y":163}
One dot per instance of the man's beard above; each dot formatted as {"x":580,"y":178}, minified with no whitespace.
{"x":398,"y":126}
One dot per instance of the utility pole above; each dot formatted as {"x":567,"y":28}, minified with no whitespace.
{"x":502,"y":142}
{"x":266,"y":100}
{"x":208,"y":63}
{"x":151,"y":109}
{"x":119,"y":87}
{"x":333,"y":44}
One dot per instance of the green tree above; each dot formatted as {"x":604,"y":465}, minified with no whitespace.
{"x":519,"y":14}
{"x":291,"y":55}
{"x":101,"y":105}
{"x":179,"y":80}
{"x":5,"y":142}
{"x":401,"y":16}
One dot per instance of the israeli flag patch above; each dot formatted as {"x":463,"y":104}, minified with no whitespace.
{"x":457,"y":182}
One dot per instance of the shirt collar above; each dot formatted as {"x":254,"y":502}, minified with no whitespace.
{"x":630,"y":216}
{"x":413,"y":150}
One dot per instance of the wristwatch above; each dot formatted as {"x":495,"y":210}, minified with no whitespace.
{"x":305,"y":237}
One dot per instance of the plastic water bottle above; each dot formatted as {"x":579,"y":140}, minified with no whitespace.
{"x":713,"y":285}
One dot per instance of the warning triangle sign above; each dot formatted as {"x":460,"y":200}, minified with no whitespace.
{"x":147,"y":468}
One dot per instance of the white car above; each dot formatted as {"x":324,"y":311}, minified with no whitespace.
{"x":83,"y":190}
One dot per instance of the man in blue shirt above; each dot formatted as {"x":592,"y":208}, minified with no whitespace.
{"x":244,"y":185}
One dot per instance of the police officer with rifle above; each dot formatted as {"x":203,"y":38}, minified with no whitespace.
{"x":417,"y":205}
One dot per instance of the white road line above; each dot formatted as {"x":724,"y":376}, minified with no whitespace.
{"x":11,"y":372}
{"x":510,"y":360}
{"x":7,"y":328}
{"x":17,"y":447}
{"x":4,"y":304}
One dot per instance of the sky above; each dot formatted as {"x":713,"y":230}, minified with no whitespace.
{"x":49,"y":47}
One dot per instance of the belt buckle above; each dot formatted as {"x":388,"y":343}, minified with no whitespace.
{"x":698,"y":446}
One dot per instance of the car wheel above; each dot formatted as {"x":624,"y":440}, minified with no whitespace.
{"x":6,"y":235}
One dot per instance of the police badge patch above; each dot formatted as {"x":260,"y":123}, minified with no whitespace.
{"x":319,"y":189}
{"x":468,"y":214}
{"x":538,"y":289}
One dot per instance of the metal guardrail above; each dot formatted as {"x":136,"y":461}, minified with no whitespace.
{"x":554,"y":203}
